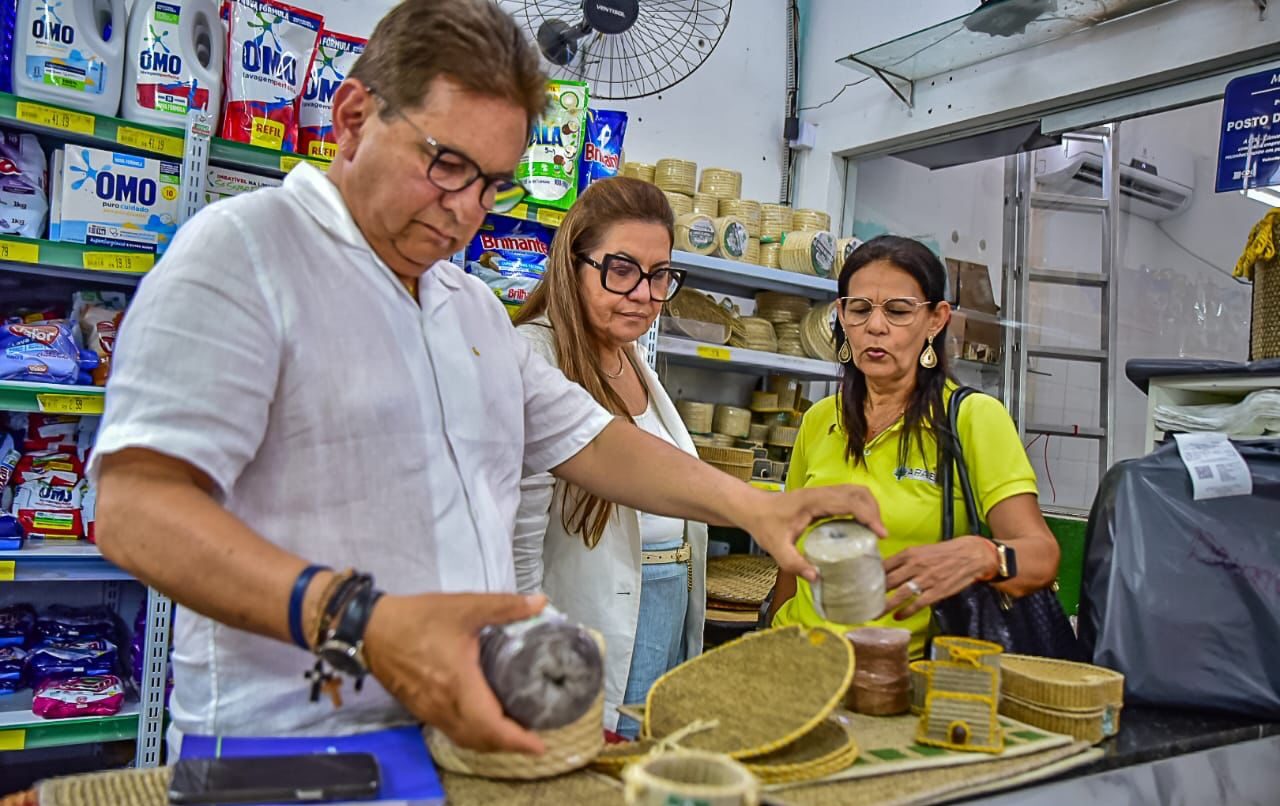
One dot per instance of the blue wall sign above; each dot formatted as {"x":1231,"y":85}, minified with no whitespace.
{"x":1249,"y":149}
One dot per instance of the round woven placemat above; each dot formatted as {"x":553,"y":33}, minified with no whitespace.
{"x":712,"y":688}
{"x":676,"y":175}
{"x":680,"y":203}
{"x":706,"y":204}
{"x":643,"y":171}
{"x":828,"y":748}
{"x":744,"y":578}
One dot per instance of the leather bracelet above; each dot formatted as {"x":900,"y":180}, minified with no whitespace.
{"x":321,"y":603}
{"x":336,"y":603}
{"x":296,"y":599}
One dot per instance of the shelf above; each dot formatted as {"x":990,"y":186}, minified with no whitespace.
{"x":73,"y":261}
{"x":1219,"y":384}
{"x":546,"y":216}
{"x":687,"y":352}
{"x":722,"y":276}
{"x":51,"y":398}
{"x":58,"y":561}
{"x":979,"y":36}
{"x":102,"y":131}
{"x":22,"y":730}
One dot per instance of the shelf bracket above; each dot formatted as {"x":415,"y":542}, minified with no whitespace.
{"x":902,"y":87}
{"x":155,"y":663}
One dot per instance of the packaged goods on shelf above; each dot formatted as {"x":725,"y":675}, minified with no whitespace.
{"x":723,"y":183}
{"x":223,"y":183}
{"x":549,"y":167}
{"x":335,"y":56}
{"x":775,"y":219}
{"x":96,"y":316}
{"x":706,"y":204}
{"x":676,"y":176}
{"x":265,"y":76}
{"x":731,"y":238}
{"x":806,"y":220}
{"x":24,"y":205}
{"x":602,"y":154}
{"x":510,"y":256}
{"x":8,"y":24}
{"x":66,"y":53}
{"x":13,"y":663}
{"x":45,"y":352}
{"x":808,"y":252}
{"x":643,"y":171}
{"x":696,"y":233}
{"x":119,"y":201}
{"x":680,"y":203}
{"x":174,"y":61}
{"x":844,"y":248}
{"x":746,"y":210}
{"x":79,"y":697}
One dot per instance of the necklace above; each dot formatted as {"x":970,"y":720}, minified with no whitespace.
{"x":875,"y":432}
{"x":622,"y":365}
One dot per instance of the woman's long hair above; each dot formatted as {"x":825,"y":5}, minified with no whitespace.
{"x":925,"y":410}
{"x":604,"y":204}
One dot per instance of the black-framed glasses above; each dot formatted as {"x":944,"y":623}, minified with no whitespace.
{"x":622,"y":275}
{"x":452,"y":171}
{"x":899,"y":311}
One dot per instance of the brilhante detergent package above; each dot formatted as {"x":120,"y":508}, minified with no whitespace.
{"x":509,"y":256}
{"x":269,"y":53}
{"x":335,"y":57}
{"x":115,"y":200}
{"x":602,"y":156}
{"x":549,"y":167}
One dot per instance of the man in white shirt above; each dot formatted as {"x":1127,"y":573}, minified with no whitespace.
{"x":303,"y":385}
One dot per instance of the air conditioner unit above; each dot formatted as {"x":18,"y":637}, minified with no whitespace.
{"x":1154,"y":186}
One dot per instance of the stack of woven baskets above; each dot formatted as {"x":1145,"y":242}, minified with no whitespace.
{"x":737,"y":587}
{"x":1078,"y":699}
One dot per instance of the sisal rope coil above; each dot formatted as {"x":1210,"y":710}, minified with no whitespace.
{"x":745,"y":209}
{"x":676,"y":175}
{"x":722,"y":183}
{"x":706,"y":204}
{"x":696,"y":233}
{"x":775,"y":219}
{"x":810,"y":252}
{"x":805,"y":220}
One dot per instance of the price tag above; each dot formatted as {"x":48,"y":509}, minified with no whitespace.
{"x":52,"y":403}
{"x":149,"y":141}
{"x":288,"y":161}
{"x":6,"y":570}
{"x":551,"y":218}
{"x":53,"y":118}
{"x":714,"y":353}
{"x":1216,"y":468}
{"x":130,"y":262}
{"x":18,"y":252}
{"x":13,"y":740}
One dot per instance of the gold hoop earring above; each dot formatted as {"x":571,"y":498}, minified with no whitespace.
{"x":929,"y":358}
{"x":845,"y":355}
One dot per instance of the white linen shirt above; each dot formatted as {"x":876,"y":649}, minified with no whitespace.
{"x":273,"y":350}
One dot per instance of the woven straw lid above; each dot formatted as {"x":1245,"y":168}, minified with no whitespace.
{"x":639,"y":170}
{"x":722,"y":183}
{"x":706,"y":204}
{"x":746,"y":209}
{"x":808,"y":252}
{"x":696,"y":233}
{"x":711,"y":689}
{"x":741,"y":578}
{"x":815,"y":333}
{"x":1087,"y":726}
{"x":676,"y":175}
{"x":781,"y":308}
{"x":805,"y":220}
{"x":680,"y":203}
{"x":1059,"y":684}
{"x":828,"y":748}
{"x":726,"y":456}
{"x":775,"y":219}
{"x":697,"y":417}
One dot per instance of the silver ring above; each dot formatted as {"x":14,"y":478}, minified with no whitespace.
{"x":914,"y":587}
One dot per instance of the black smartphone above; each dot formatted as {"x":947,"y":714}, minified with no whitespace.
{"x":311,"y":778}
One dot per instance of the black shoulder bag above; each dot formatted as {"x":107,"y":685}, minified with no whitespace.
{"x":1031,"y":625}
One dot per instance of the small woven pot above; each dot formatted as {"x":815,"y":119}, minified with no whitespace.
{"x":690,"y":777}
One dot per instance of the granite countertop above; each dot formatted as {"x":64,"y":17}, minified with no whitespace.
{"x":1151,"y":734}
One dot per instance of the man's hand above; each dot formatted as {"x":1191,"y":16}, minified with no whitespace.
{"x":425,"y":650}
{"x":776,"y":520}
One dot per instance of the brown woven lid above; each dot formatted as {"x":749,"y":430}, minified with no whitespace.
{"x":745,"y":578}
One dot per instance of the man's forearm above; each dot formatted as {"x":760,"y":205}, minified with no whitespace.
{"x":156,"y":522}
{"x":628,"y":466}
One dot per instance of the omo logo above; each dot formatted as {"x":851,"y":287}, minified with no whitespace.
{"x":157,"y":57}
{"x":259,"y":58}
{"x":48,"y":26}
{"x":110,"y":186}
{"x":321,"y":88}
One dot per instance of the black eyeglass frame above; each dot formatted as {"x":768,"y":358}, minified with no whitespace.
{"x":602,"y":265}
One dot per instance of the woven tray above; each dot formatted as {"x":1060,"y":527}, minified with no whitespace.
{"x":726,"y":456}
{"x":1087,"y":726}
{"x":1060,"y":685}
{"x":827,"y":749}
{"x":741,"y":578}
{"x":712,"y":688}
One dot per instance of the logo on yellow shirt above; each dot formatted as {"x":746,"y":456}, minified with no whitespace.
{"x":915,"y":473}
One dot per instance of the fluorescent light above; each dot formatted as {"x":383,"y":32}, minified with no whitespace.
{"x":1264,"y":195}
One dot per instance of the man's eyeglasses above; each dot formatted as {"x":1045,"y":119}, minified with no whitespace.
{"x":900,"y":311}
{"x":452,"y":171}
{"x":622,"y":275}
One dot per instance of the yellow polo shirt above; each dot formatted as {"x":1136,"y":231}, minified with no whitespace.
{"x":909,"y":497}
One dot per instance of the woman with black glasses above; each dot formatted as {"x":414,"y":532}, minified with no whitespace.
{"x":638,"y":578}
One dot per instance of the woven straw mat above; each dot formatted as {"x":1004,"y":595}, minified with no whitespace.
{"x":117,"y":788}
{"x":616,"y":756}
{"x":711,"y":689}
{"x":828,"y":748}
{"x":741,"y":578}
{"x":581,"y":787}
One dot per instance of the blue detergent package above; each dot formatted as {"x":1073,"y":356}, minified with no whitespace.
{"x":13,"y":666}
{"x":17,"y":624}
{"x":12,"y":534}
{"x":602,"y":154}
{"x":44,"y":352}
{"x":509,"y":256}
{"x":61,"y":624}
{"x":79,"y":659}
{"x":8,"y":25}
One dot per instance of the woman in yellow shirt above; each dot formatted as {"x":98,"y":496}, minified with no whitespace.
{"x":881,"y":430}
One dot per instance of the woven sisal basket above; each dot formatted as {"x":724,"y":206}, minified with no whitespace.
{"x":732,"y":420}
{"x":697,"y":417}
{"x":696,"y":233}
{"x":643,"y":171}
{"x":1060,"y":685}
{"x":676,"y":175}
{"x":741,"y":578}
{"x":690,"y":777}
{"x":722,"y":183}
{"x":775,"y":219}
{"x":745,"y":209}
{"x":1088,"y":726}
{"x":803,"y":220}
{"x":1264,"y":328}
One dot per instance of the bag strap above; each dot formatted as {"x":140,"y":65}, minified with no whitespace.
{"x":954,"y":466}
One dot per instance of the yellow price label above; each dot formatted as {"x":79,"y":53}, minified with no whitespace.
{"x":768,"y":486}
{"x":70,"y":404}
{"x":13,"y":740}
{"x":149,"y":141}
{"x":266,"y":133}
{"x":289,"y":161}
{"x":130,"y":262}
{"x":54,"y":118}
{"x":18,"y":252}
{"x":322,"y":150}
{"x":6,"y":570}
{"x":551,"y":218}
{"x":714,"y":353}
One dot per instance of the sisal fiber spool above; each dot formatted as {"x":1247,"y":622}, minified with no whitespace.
{"x":805,"y":220}
{"x":747,"y":210}
{"x":731,"y":420}
{"x":881,"y":678}
{"x":697,"y":417}
{"x":706,"y":204}
{"x":731,"y":238}
{"x":775,"y":219}
{"x":676,"y":175}
{"x":850,"y":588}
{"x":770,"y":253}
{"x":680,"y":203}
{"x":808,"y":253}
{"x":690,"y":776}
{"x":643,"y":171}
{"x":696,"y":233}
{"x":722,"y":183}
{"x":752,"y":254}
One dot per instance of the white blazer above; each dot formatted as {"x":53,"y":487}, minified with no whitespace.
{"x":600,"y":587}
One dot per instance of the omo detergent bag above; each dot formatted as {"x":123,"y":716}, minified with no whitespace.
{"x":271,"y":46}
{"x":335,"y":57}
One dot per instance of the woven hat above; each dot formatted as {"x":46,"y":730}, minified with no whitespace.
{"x":742,"y":578}
{"x":828,"y":748}
{"x":710,"y":690}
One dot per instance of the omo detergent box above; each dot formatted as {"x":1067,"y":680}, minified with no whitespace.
{"x":115,"y":200}
{"x":335,"y":57}
{"x":549,"y":167}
